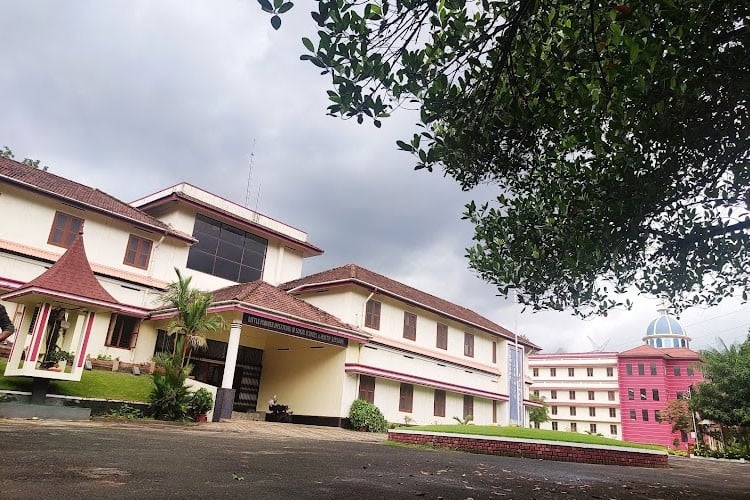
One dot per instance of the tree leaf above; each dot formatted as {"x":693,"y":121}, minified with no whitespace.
{"x":276,"y":22}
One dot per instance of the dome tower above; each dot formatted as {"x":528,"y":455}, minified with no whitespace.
{"x":666,"y":331}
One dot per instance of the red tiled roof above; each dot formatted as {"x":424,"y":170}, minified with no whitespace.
{"x":352,"y":273}
{"x":646,"y":351}
{"x":267,"y":296}
{"x":52,"y":185}
{"x":71,"y":275}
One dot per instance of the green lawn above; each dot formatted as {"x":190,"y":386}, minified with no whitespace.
{"x":522,"y":432}
{"x":94,"y":384}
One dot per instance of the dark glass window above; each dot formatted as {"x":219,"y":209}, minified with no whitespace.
{"x":653,"y":368}
{"x":631,"y":394}
{"x":589,"y":372}
{"x":641,"y":369}
{"x":226,"y":252}
{"x":610,"y":371}
{"x":645,"y":415}
{"x":571,"y":372}
{"x":469,"y":345}
{"x":643,"y":394}
{"x":613,"y":412}
{"x":367,"y":388}
{"x":468,"y":406}
{"x":65,"y":227}
{"x":123,"y":331}
{"x":629,"y":369}
{"x":613,"y":429}
{"x":632,"y":415}
{"x":655,"y":394}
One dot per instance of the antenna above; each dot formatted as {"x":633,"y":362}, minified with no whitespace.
{"x":250,"y":175}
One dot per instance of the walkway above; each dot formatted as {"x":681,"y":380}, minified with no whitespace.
{"x":292,"y":431}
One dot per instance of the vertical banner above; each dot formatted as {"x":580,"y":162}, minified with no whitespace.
{"x":515,"y":384}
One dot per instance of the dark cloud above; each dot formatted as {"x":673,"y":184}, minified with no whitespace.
{"x":134,"y":96}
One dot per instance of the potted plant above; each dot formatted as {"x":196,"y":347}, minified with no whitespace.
{"x":201,"y":402}
{"x":56,"y":359}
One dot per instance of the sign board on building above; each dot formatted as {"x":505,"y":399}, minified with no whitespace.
{"x":294,"y":330}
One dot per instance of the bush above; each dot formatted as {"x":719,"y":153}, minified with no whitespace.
{"x":170,"y":398}
{"x":201,"y":402}
{"x":367,"y":416}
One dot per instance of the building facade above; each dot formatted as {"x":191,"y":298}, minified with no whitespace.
{"x":621,"y":395}
{"x":315,"y":342}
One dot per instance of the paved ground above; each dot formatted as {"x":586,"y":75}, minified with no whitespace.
{"x":258,"y":460}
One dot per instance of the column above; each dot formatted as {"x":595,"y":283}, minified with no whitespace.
{"x":225,"y":394}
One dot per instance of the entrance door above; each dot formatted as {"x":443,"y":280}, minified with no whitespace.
{"x":247,"y":378}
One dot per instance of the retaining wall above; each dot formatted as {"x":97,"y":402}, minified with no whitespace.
{"x":537,"y":449}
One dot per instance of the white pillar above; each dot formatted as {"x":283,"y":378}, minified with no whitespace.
{"x":231,"y":361}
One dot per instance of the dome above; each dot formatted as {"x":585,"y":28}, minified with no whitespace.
{"x":665,"y":325}
{"x":666,"y":331}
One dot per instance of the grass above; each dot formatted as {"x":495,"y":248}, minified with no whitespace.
{"x":94,"y":384}
{"x":522,"y":432}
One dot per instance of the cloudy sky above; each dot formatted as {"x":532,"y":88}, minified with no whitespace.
{"x":133,"y":96}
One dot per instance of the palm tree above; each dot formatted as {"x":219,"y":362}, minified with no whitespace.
{"x":192,"y":321}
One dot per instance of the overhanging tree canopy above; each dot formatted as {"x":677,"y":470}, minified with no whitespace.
{"x":617,"y":134}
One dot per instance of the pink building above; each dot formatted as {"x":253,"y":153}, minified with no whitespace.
{"x":652,"y":375}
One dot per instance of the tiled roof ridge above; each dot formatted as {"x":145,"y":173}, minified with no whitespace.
{"x":353,"y":271}
{"x":72,"y":273}
{"x":243,"y":292}
{"x":43,"y":181}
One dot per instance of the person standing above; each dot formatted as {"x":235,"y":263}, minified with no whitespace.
{"x":6,"y":325}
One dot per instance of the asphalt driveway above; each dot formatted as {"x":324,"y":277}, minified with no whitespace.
{"x":113,"y":460}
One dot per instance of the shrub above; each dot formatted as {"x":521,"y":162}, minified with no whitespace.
{"x":367,"y":416}
{"x":170,"y":398}
{"x":201,"y":402}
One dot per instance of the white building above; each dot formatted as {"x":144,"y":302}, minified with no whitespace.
{"x":581,"y":390}
{"x":317,"y":342}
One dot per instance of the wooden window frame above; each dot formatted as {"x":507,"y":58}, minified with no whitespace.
{"x":410,"y":326}
{"x":574,"y":427}
{"x":115,"y":335}
{"x":494,"y":353}
{"x":571,"y":372}
{"x":655,"y":394}
{"x":592,"y":428}
{"x":366,"y":390}
{"x":406,"y":398}
{"x":138,"y":249}
{"x":613,"y":412}
{"x":592,"y":411}
{"x":372,"y":314}
{"x":468,"y":408}
{"x":589,"y":372}
{"x":468,"y":345}
{"x":610,"y":371}
{"x":572,"y":410}
{"x":592,"y":395}
{"x":572,"y":395}
{"x":63,"y":230}
{"x":441,"y":336}
{"x":554,"y":426}
{"x":613,"y":429}
{"x":438,"y":405}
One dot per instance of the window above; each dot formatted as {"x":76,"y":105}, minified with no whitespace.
{"x":631,"y":394}
{"x":611,"y":395}
{"x":535,"y":372}
{"x":367,"y":388}
{"x":613,"y":412}
{"x":683,"y":436}
{"x":554,"y":426}
{"x":573,"y":427}
{"x":571,"y":372}
{"x":589,"y":372}
{"x":439,"y":403}
{"x":468,"y":406}
{"x":468,"y":345}
{"x":655,"y":394}
{"x":591,"y":395}
{"x":138,"y":252}
{"x":372,"y":314}
{"x":572,"y":394}
{"x":441,"y":341}
{"x":536,"y":393}
{"x":592,"y":428}
{"x":629,"y":369}
{"x":553,"y":394}
{"x":410,"y":326}
{"x":554,"y":410}
{"x":613,"y":429}
{"x":610,"y":371}
{"x":592,"y":412}
{"x":226,"y":252}
{"x":572,"y":411}
{"x":123,"y":331}
{"x":657,"y":415}
{"x":553,"y":372}
{"x":643,"y":394}
{"x":645,"y":415}
{"x":690,"y":372}
{"x":164,"y":342}
{"x":653,"y":368}
{"x":406,"y":398}
{"x":536,"y":425}
{"x":641,"y":369}
{"x":65,"y":227}
{"x":494,"y":353}
{"x":494,"y":413}
{"x":632,"y":415}
{"x":676,"y":371}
